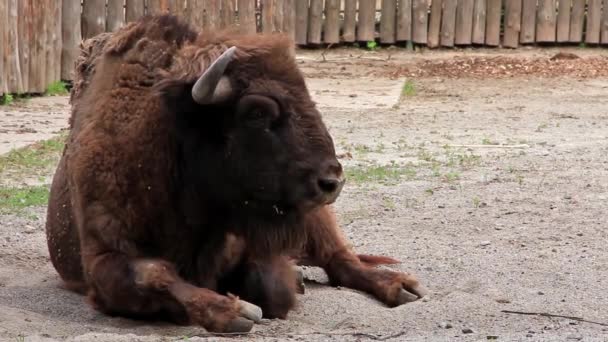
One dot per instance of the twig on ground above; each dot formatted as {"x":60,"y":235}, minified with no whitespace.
{"x":371,"y":336}
{"x":493,"y":146}
{"x":544,"y":314}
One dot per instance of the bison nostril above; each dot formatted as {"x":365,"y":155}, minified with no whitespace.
{"x":329,"y":185}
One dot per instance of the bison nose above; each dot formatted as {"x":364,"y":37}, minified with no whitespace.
{"x":330,"y":187}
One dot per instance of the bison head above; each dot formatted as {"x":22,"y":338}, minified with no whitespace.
{"x":256,"y":139}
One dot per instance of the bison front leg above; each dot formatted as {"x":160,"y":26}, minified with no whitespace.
{"x":151,"y":287}
{"x":327,"y":248}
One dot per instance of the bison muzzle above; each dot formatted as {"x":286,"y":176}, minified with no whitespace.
{"x":196,"y":175}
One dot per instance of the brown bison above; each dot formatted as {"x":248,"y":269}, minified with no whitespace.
{"x":197,"y":171}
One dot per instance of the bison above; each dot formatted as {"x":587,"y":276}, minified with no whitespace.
{"x":196,"y":175}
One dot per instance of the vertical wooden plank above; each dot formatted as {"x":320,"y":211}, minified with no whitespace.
{"x":278,"y":15}
{"x":212,"y":14}
{"x":594,"y":17}
{"x":134,"y":9}
{"x":448,"y":23}
{"x":315,"y":21}
{"x":387,"y":21}
{"x":246,"y":15}
{"x":479,"y":22}
{"x":563,"y":20}
{"x":24,"y":18}
{"x":3,"y":33}
{"x":116,"y":15}
{"x":289,"y":18}
{"x":268,"y":13}
{"x":464,"y":22}
{"x":404,"y":20}
{"x":196,"y":14}
{"x":512,"y":23}
{"x":604,"y":25}
{"x":493,"y":14}
{"x":577,"y":17}
{"x":58,"y":41}
{"x":331,"y":28}
{"x":546,"y":21}
{"x":156,"y":6}
{"x":176,"y":7}
{"x":71,"y":37}
{"x":528,"y":22}
{"x":228,"y":7}
{"x":434,"y":24}
{"x":301,"y":22}
{"x":366,"y":23}
{"x":13,"y":62}
{"x":350,"y":20}
{"x":420,"y":21}
{"x":93,"y":18}
{"x":48,"y":47}
{"x":37,"y":66}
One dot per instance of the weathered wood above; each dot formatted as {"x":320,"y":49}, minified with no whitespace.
{"x":134,"y":9}
{"x":315,"y":21}
{"x":93,"y":18}
{"x":404,"y":20}
{"x":448,"y":23}
{"x":13,"y":62}
{"x":155,"y":6}
{"x":246,"y":13}
{"x":301,"y":22}
{"x":366,"y":23}
{"x":493,"y":14}
{"x":387,"y":21}
{"x":3,"y":42}
{"x":331,"y":26}
{"x":420,"y":21}
{"x":464,"y":22}
{"x":228,"y":7}
{"x":196,"y":13}
{"x":176,"y":7}
{"x":604,"y":29}
{"x":577,"y":17}
{"x":512,"y":23}
{"x":528,"y":22}
{"x":58,"y":41}
{"x":434,"y":24}
{"x":546,"y":21}
{"x":289,"y":18}
{"x":116,"y":15}
{"x":25,"y":22}
{"x":350,"y":21}
{"x":212,"y":14}
{"x":594,"y":18}
{"x":71,"y":37}
{"x":563,"y":20}
{"x":38,"y":81}
{"x":479,"y":22}
{"x":268,"y":13}
{"x":48,"y":47}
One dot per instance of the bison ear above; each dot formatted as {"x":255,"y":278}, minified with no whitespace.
{"x":213,"y":86}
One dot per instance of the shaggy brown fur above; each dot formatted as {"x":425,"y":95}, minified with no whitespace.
{"x":163,"y":207}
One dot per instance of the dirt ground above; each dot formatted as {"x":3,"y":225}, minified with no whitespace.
{"x":491,"y":186}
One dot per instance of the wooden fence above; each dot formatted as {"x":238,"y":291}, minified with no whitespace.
{"x":40,"y":38}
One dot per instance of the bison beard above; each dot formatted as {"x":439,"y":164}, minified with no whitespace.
{"x":197,"y":173}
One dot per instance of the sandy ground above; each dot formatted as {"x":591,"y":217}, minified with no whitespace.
{"x":495,"y":194}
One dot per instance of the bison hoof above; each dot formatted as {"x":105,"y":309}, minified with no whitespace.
{"x":250,"y":314}
{"x":411,"y":294}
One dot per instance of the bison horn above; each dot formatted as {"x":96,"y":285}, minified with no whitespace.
{"x":213,"y":86}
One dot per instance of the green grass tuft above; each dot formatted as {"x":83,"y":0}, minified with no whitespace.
{"x":6,"y":99}
{"x":15,"y":199}
{"x":35,"y":156}
{"x":56,"y":88}
{"x":409,"y":89}
{"x":384,"y":174}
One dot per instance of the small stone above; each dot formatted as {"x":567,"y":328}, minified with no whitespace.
{"x":426,"y":298}
{"x":574,"y":337}
{"x":485,"y":243}
{"x":503,"y":301}
{"x":445,"y":325}
{"x":352,"y":95}
{"x":540,"y":293}
{"x":492,"y":337}
{"x":467,"y":331}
